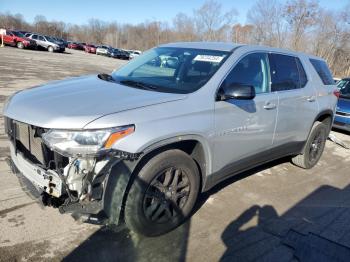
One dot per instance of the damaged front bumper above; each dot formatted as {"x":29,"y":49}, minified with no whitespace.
{"x":93,"y":187}
{"x":43,"y":180}
{"x":100,"y":204}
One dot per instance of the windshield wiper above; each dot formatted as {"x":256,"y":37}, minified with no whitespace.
{"x":139,"y":84}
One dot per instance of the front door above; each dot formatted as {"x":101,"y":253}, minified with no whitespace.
{"x":245,"y":128}
{"x":42,"y":41}
{"x":9,"y":38}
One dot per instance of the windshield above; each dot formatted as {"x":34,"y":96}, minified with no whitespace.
{"x":19,"y":34}
{"x":50,"y":39}
{"x":344,"y":88}
{"x":170,"y":69}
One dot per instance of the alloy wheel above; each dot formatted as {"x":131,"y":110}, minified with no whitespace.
{"x":316,"y":146}
{"x":166,"y":195}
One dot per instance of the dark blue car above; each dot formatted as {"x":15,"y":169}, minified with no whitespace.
{"x":342,"y":117}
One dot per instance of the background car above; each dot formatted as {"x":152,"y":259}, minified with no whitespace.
{"x":134,"y":53}
{"x":342,"y":116}
{"x":120,"y":54}
{"x":16,"y":38}
{"x":64,"y":42}
{"x":75,"y":45}
{"x":47,"y":43}
{"x":88,"y":48}
{"x":104,"y":50}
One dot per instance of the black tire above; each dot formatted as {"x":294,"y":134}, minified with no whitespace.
{"x":20,"y":45}
{"x":314,"y":146}
{"x":158,"y":201}
{"x":50,"y":49}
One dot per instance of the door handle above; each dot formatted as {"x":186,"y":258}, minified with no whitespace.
{"x":311,"y":99}
{"x":269,"y":106}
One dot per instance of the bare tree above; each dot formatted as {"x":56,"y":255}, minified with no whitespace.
{"x":301,"y":15}
{"x":269,"y":25}
{"x":243,"y":34}
{"x":97,"y":30}
{"x":40,"y":24}
{"x":184,"y":27}
{"x":211,"y":22}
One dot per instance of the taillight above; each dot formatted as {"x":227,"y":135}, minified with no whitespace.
{"x":336,"y":93}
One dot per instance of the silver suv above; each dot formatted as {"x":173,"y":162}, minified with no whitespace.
{"x":141,"y":144}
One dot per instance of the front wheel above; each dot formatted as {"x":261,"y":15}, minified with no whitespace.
{"x":163,"y":193}
{"x":314,"y":146}
{"x":50,"y":49}
{"x":20,"y":45}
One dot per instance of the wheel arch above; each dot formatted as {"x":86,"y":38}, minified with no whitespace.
{"x":127,"y":170}
{"x":193,"y":145}
{"x":325,"y":116}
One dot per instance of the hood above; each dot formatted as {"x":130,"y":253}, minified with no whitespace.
{"x":73,"y":103}
{"x":343,"y":105}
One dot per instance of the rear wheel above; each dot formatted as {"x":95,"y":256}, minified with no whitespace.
{"x":20,"y":45}
{"x":163,"y":194}
{"x":314,"y":146}
{"x":50,"y":49}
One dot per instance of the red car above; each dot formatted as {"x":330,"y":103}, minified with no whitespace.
{"x":90,"y":49}
{"x":15,"y":38}
{"x":74,"y":45}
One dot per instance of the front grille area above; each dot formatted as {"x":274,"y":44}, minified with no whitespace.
{"x":27,"y":140}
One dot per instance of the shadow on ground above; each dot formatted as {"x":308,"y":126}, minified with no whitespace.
{"x":109,"y":245}
{"x":315,"y":229}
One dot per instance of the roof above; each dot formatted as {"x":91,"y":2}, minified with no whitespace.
{"x":229,"y":46}
{"x":219,"y":46}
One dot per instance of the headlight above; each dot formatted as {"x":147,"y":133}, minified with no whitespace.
{"x":84,"y":143}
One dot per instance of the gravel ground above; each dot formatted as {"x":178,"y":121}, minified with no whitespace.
{"x":268,"y":214}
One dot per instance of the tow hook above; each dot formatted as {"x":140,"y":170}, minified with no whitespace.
{"x":50,"y":201}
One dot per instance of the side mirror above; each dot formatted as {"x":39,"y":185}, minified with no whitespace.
{"x":236,"y":91}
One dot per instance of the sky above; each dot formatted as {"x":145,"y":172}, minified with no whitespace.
{"x":126,"y":11}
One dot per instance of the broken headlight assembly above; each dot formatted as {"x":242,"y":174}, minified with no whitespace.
{"x":82,"y":143}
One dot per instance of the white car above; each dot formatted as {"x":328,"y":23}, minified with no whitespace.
{"x":134,"y":53}
{"x":103,"y":50}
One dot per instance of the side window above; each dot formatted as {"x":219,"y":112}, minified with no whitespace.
{"x":284,"y":72}
{"x":302,"y":74}
{"x":251,"y":70}
{"x":35,"y":37}
{"x":41,"y":38}
{"x":323,"y":71}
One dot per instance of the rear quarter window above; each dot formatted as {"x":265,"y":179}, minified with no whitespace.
{"x":323,"y":71}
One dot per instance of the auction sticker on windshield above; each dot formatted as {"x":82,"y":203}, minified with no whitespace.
{"x":209,"y":58}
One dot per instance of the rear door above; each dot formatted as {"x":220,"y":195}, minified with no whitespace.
{"x":297,"y":106}
{"x":36,"y":39}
